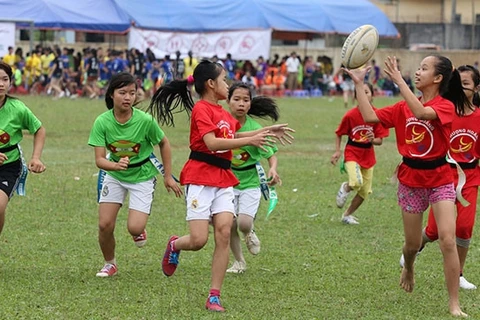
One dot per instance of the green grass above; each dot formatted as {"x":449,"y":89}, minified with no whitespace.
{"x":310,"y":267}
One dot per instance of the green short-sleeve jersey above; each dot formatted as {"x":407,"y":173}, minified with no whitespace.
{"x":134,"y":139}
{"x":15,"y":117}
{"x":247,"y":156}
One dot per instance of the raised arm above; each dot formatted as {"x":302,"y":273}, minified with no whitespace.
{"x":358,"y":76}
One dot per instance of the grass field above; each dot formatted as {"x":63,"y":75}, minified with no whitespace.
{"x":311,"y":266}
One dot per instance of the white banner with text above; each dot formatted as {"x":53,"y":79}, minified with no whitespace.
{"x":242,"y":45}
{"x":7,"y":37}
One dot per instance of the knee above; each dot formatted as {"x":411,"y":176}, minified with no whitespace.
{"x":464,"y":243}
{"x":245,"y":225}
{"x":222,"y":233}
{"x":106,"y":227}
{"x":447,"y":242}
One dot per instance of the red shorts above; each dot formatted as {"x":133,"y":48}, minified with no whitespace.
{"x":465,"y":217}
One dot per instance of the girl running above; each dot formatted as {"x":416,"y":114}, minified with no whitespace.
{"x":207,"y":176}
{"x":247,"y":193}
{"x":130,"y":135}
{"x":422,"y":127}
{"x":463,"y":143}
{"x":15,"y":117}
{"x":359,"y":156}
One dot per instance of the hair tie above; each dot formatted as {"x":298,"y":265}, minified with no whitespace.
{"x":190,"y":79}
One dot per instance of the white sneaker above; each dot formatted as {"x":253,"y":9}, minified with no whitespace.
{"x":237,"y":267}
{"x":252,"y":242}
{"x":464,"y":284}
{"x":61,"y":95}
{"x":402,"y":258}
{"x":350,"y":220}
{"x":342,"y":195}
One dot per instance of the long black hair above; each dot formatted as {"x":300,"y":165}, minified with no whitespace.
{"x":118,"y":80}
{"x":175,"y":96}
{"x":260,"y":106}
{"x":476,"y":81}
{"x":451,"y":86}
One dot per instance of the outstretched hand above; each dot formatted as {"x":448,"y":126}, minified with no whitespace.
{"x":358,"y":75}
{"x":391,"y":69}
{"x":281,"y":132}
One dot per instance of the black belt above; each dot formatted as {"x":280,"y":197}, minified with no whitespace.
{"x":358,"y":144}
{"x":210,"y":159}
{"x":10,"y":148}
{"x":466,"y":165}
{"x":424,"y":164}
{"x":244,"y":168}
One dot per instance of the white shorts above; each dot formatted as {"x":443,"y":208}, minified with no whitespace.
{"x":203,"y":202}
{"x":247,"y":201}
{"x":347,"y":85}
{"x":141,"y":194}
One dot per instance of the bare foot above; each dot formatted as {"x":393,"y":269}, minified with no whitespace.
{"x":407,"y":280}
{"x":456,"y":311}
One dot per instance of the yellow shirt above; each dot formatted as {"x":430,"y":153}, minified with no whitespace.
{"x":9,"y":59}
{"x":34,"y":65}
{"x":46,"y":60}
{"x":189,"y":68}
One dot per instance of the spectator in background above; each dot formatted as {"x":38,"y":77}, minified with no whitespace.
{"x":179,"y":66}
{"x":190,"y":64}
{"x":375,"y":72}
{"x":9,"y":58}
{"x":261,"y":70}
{"x":293,"y":65}
{"x":230,"y":67}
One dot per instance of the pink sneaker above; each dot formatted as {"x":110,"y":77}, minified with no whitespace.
{"x":170,"y":258}
{"x":213,"y":304}
{"x":141,"y":239}
{"x":108,"y":270}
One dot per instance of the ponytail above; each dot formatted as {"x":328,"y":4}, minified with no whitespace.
{"x":171,"y":98}
{"x":264,"y":107}
{"x":451,"y":86}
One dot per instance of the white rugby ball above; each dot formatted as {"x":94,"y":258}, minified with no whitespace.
{"x":360,"y":46}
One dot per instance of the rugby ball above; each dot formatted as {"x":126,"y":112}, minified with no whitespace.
{"x":360,"y":46}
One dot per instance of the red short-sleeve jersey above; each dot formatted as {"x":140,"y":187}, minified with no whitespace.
{"x":421,"y":140}
{"x":207,"y":117}
{"x":353,"y":126}
{"x":464,"y":143}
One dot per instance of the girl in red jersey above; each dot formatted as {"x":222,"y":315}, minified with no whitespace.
{"x":463,"y":146}
{"x":422,"y":127}
{"x":359,"y":156}
{"x":207,"y":175}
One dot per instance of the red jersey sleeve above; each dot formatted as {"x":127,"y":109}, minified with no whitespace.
{"x":443,"y":108}
{"x":203,"y":118}
{"x":389,"y":116}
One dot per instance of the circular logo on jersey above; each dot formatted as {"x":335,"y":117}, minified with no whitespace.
{"x":4,"y":137}
{"x":124,"y":148}
{"x":419,"y":138}
{"x":462,"y":144}
{"x":360,"y":134}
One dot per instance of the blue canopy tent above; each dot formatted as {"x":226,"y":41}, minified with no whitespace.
{"x":302,"y":17}
{"x":86,"y":15}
